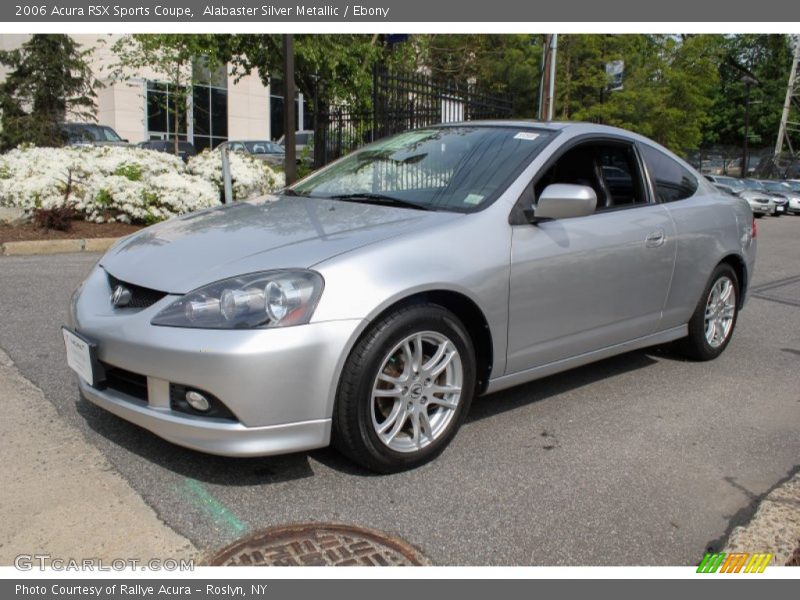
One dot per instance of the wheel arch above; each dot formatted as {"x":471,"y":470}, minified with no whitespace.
{"x":467,"y":311}
{"x":738,"y":264}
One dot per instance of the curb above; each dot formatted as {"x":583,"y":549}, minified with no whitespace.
{"x":775,"y":527}
{"x":56,"y":246}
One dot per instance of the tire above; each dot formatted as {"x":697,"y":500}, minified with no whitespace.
{"x":758,"y":215}
{"x":699,"y":344}
{"x":378,"y":382}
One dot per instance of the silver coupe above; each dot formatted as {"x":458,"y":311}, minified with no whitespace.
{"x":368,"y":304}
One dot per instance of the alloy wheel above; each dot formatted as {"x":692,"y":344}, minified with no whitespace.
{"x":720,"y":312}
{"x":417,"y":391}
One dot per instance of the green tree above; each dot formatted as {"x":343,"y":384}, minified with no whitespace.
{"x":49,"y":81}
{"x":766,"y":58}
{"x":667,"y":90}
{"x":337,"y":68}
{"x":506,"y":65}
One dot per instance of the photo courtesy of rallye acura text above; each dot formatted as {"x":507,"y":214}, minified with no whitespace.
{"x":369,"y":303}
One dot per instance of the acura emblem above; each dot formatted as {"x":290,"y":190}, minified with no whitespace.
{"x":121,"y":296}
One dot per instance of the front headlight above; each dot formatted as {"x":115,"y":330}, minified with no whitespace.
{"x":267,"y":299}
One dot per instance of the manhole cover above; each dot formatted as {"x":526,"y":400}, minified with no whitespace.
{"x":316,"y":544}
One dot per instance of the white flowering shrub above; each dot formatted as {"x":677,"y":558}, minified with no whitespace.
{"x":250,"y":176}
{"x":125,"y":184}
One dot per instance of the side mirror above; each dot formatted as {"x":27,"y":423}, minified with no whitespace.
{"x":564,"y":201}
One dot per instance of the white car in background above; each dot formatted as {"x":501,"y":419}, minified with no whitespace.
{"x":794,"y":198}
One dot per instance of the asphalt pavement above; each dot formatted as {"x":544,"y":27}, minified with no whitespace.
{"x":642,"y":459}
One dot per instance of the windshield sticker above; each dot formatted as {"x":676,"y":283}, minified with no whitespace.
{"x":526,"y":135}
{"x":473,"y":198}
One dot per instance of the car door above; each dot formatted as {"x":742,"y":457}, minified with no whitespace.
{"x":582,"y":284}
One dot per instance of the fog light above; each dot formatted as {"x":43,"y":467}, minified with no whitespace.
{"x":197,"y":401}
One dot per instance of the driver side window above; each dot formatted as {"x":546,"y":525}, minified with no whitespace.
{"x":611,"y":169}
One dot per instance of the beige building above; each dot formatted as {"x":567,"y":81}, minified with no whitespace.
{"x":219,"y":107}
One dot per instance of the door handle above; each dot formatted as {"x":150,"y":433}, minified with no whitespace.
{"x":655,"y":238}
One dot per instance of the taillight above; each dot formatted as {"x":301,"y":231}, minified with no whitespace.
{"x":754,"y":232}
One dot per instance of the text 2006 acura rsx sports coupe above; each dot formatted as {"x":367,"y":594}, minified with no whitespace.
{"x":369,"y":303}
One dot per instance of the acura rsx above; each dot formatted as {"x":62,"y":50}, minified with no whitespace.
{"x":369,"y":303}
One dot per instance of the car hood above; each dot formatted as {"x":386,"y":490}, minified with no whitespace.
{"x":184,"y":253}
{"x":754,"y":195}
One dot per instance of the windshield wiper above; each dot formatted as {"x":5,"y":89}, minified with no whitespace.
{"x":381,"y":199}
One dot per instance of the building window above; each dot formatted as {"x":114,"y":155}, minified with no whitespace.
{"x":210,"y":116}
{"x":161,"y":98}
{"x":302,"y":110}
{"x":207,"y":104}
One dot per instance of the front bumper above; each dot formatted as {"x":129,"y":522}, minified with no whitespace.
{"x":279,"y":383}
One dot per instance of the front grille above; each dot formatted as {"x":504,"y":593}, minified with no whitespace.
{"x":125,"y":382}
{"x":141,"y":297}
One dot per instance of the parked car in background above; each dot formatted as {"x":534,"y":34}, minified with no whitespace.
{"x":761,"y":204}
{"x":91,"y":134}
{"x":793,"y":206}
{"x":270,"y":152}
{"x":304,"y":144}
{"x":369,"y":303}
{"x":754,"y":186}
{"x":713,"y":165}
{"x":734,"y":183}
{"x":780,"y":193}
{"x":185,"y":149}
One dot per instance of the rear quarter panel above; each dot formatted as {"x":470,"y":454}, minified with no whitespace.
{"x":709,"y":227}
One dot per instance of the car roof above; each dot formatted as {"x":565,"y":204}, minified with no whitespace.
{"x":577,"y":127}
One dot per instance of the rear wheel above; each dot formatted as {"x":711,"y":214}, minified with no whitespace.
{"x":405,"y":389}
{"x":714,"y":318}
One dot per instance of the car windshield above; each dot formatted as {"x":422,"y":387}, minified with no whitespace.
{"x":93,"y":133}
{"x":264,"y":147}
{"x":753,"y":184}
{"x":795,"y":185}
{"x":109,"y":135}
{"x":460,"y":168}
{"x":775,"y":186}
{"x":732,"y":183}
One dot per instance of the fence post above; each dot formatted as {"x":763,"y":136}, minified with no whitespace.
{"x":373,"y":133}
{"x":227,"y":183}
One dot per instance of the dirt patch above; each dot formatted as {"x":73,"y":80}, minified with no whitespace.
{"x":80,"y":230}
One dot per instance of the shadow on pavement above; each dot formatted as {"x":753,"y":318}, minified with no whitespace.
{"x":227,"y":471}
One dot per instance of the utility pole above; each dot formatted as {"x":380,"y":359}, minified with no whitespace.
{"x":792,"y":95}
{"x":748,"y":83}
{"x":547,"y":83}
{"x":290,"y":156}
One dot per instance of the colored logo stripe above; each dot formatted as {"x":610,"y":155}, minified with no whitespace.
{"x":735,"y":562}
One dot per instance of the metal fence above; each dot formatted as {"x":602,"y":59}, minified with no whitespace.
{"x":401,"y":101}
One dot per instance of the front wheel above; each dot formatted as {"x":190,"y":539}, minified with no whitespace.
{"x":714,"y":318}
{"x":405,"y":389}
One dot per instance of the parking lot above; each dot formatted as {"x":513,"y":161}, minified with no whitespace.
{"x":640,"y":459}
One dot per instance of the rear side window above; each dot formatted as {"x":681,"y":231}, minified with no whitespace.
{"x":672,"y":181}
